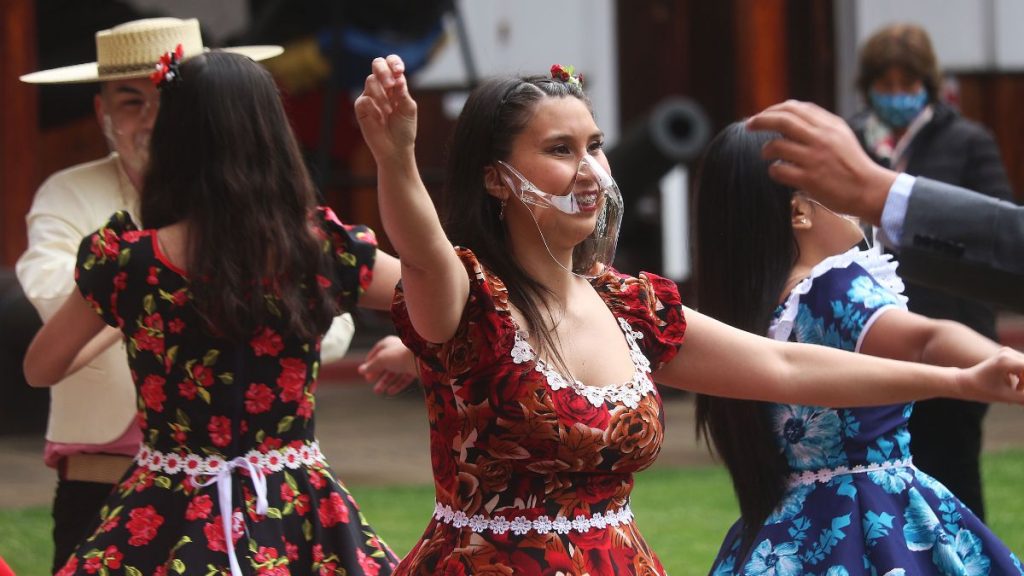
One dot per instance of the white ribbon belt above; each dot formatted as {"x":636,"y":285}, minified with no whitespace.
{"x":224,"y":493}
{"x":215,"y":469}
{"x":826,"y":475}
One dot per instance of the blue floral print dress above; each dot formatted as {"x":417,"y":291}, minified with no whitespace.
{"x":855,"y":502}
{"x":229,"y":478}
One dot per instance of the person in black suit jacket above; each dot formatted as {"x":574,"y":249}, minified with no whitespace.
{"x":905,"y":126}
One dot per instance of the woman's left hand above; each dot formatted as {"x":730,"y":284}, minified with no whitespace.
{"x":1000,"y":378}
{"x":390,"y":366}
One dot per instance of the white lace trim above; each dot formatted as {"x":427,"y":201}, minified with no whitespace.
{"x":826,"y":475}
{"x":881,"y":267}
{"x":628,"y":394}
{"x":196,"y":465}
{"x":520,"y":525}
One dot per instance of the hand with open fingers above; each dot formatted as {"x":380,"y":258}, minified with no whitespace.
{"x":997,"y":379}
{"x":819,"y":154}
{"x":385,"y":111}
{"x":390,"y":366}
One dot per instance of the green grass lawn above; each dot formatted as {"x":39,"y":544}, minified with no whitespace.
{"x":683,"y":513}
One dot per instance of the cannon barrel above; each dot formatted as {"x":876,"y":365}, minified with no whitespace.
{"x":674,"y":132}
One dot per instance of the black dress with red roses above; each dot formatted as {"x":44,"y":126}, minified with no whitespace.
{"x":532,"y":471}
{"x":229,"y":448}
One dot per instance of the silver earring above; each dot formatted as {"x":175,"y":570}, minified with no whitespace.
{"x":501,"y":212}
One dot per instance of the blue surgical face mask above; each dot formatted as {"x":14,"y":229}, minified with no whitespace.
{"x":898,"y":110}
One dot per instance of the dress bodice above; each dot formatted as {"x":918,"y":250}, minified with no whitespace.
{"x":835,"y":306}
{"x":521,"y":452}
{"x":198,"y":392}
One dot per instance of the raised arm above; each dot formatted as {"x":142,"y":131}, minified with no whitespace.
{"x":435,"y":281}
{"x":723,"y":361}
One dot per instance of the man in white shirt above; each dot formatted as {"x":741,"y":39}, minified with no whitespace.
{"x":91,"y":434}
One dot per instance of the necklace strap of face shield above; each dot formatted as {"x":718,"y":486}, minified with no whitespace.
{"x":852,"y":219}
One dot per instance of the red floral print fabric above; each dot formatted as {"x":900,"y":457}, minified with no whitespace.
{"x":529,"y":479}
{"x":203,"y":399}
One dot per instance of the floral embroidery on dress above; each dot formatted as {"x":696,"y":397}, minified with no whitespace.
{"x":628,"y":393}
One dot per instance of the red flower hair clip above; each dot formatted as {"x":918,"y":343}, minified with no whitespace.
{"x":566,"y":74}
{"x":166,"y":72}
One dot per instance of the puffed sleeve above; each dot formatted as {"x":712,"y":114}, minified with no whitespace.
{"x":844,"y":303}
{"x":352,"y":250}
{"x":485,"y":330}
{"x":100,"y":270}
{"x":652,"y":306}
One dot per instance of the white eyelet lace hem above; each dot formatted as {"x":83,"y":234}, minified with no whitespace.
{"x":520,"y":525}
{"x":826,"y":475}
{"x":196,"y":465}
{"x":628,"y":394}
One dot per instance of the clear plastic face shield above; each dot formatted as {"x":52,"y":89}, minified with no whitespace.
{"x":129,"y":110}
{"x":591,"y":190}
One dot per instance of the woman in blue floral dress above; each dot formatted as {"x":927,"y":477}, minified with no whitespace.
{"x":222,"y":301}
{"x":823,"y":491}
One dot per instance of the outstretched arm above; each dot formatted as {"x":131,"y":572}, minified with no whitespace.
{"x":72,"y":338}
{"x":723,"y":361}
{"x":435,"y":281}
{"x":904,"y":335}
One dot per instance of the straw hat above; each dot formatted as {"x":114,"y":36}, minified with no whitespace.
{"x":132,"y":49}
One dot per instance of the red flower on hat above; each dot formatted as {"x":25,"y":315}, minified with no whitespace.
{"x":167,"y":68}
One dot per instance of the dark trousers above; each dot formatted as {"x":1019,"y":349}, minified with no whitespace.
{"x":76,"y":509}
{"x":945,"y":438}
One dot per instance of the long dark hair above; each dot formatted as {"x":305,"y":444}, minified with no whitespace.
{"x":495,"y":113}
{"x":223,"y":158}
{"x":745,"y":252}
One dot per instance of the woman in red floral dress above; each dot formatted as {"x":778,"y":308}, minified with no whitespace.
{"x":222,"y":301}
{"x":538,"y":359}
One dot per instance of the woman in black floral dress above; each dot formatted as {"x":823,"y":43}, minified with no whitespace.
{"x":222,"y":300}
{"x":538,"y":359}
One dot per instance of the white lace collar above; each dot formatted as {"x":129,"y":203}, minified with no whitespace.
{"x":628,"y":393}
{"x":881,"y":266}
